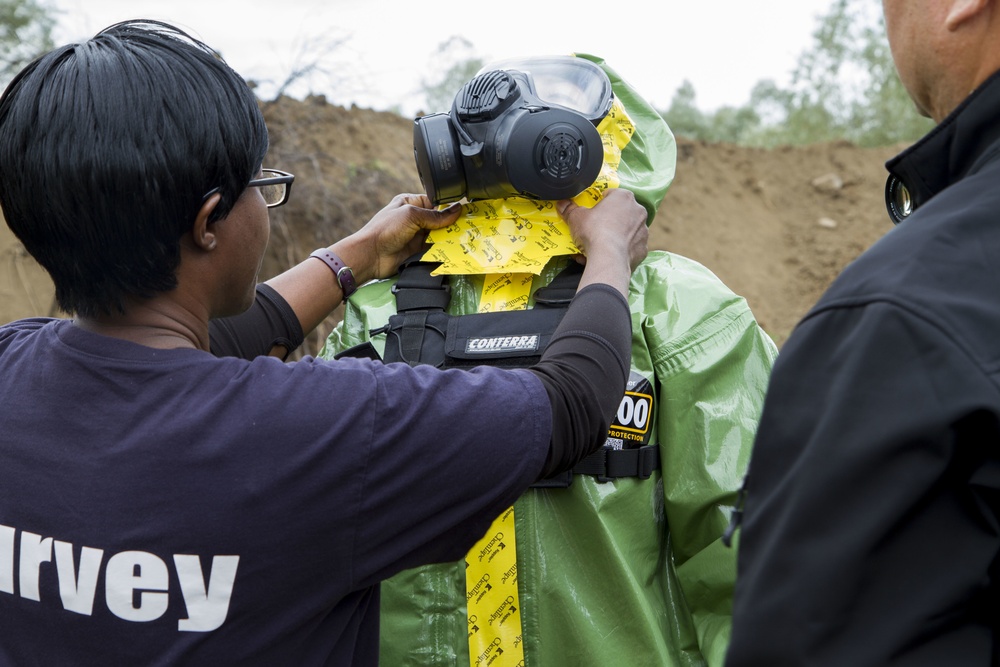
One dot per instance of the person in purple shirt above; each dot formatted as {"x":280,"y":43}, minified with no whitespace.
{"x":170,"y":493}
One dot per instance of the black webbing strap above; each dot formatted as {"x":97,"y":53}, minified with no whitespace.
{"x":561,"y":290}
{"x":612,"y":463}
{"x":417,"y":293}
{"x":417,"y":289}
{"x":606,"y":464}
{"x":411,"y":337}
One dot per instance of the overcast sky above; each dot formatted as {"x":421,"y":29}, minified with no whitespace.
{"x":387,"y":48}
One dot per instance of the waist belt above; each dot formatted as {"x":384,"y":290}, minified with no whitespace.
{"x":607,"y":464}
{"x":421,"y":332}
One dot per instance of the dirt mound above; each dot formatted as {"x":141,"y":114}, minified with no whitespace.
{"x":775,"y":225}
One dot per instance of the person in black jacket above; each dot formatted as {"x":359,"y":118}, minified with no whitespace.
{"x":872,"y":513}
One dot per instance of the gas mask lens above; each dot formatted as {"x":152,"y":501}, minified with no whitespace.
{"x":525,"y":127}
{"x":565,"y":81}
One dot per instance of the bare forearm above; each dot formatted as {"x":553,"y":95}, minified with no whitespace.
{"x":312,"y":289}
{"x":612,"y":236}
{"x":374,"y":251}
{"x":607,"y":268}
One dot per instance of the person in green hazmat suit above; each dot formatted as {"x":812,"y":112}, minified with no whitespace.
{"x":624,"y":562}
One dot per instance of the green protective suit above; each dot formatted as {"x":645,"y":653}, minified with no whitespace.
{"x":629,"y":571}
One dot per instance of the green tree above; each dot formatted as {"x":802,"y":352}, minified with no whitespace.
{"x":683,"y":116}
{"x":735,"y":125}
{"x":844,"y":86}
{"x":729,"y":124}
{"x":456,"y":58}
{"x":25,"y":32}
{"x":884,"y":113}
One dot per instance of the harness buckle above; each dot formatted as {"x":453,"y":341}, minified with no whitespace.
{"x":560,"y":480}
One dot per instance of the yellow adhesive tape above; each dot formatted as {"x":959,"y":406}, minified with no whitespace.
{"x":509,"y":291}
{"x":494,"y":608}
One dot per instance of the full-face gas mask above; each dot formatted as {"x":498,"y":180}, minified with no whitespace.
{"x":518,"y":128}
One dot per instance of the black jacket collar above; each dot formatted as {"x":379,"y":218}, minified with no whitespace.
{"x":958,"y":146}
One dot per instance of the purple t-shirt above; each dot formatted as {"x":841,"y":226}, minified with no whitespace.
{"x":171,"y":507}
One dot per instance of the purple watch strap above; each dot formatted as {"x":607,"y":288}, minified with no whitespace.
{"x":345,"y":277}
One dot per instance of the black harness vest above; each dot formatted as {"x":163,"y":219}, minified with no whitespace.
{"x":422,"y":332}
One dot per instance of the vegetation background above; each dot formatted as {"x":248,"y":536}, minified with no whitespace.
{"x":775,"y":196}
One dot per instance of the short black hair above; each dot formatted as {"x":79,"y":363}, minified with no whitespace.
{"x":107,"y":150}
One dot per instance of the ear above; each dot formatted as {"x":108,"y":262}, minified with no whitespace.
{"x":962,"y":11}
{"x":201,"y":231}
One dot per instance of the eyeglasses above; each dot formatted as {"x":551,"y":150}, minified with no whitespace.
{"x":275,"y":186}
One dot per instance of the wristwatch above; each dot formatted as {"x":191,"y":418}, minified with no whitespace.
{"x":345,"y":277}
